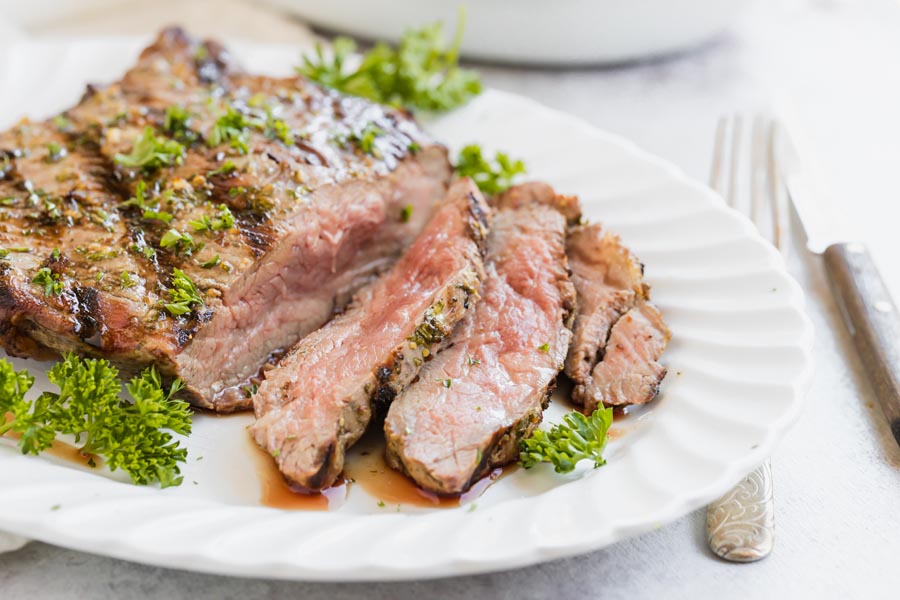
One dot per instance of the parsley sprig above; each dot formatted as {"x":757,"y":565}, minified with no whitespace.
{"x":491,"y":177}
{"x":422,"y":72}
{"x":135,"y":436}
{"x":577,"y":438}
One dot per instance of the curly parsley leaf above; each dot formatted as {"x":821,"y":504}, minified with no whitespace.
{"x":135,"y":436}
{"x":152,"y":152}
{"x":565,"y":444}
{"x":422,"y":72}
{"x":491,"y":177}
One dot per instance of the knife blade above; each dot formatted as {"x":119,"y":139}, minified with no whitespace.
{"x":865,"y":304}
{"x":823,"y":222}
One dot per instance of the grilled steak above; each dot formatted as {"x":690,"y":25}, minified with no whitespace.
{"x":202,"y":219}
{"x":320,"y":398}
{"x":605,"y":364}
{"x":478,"y":398}
{"x":630,"y":372}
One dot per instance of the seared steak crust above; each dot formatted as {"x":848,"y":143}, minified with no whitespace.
{"x":324,"y":190}
{"x":609,"y":281}
{"x":484,"y":393}
{"x":320,"y":398}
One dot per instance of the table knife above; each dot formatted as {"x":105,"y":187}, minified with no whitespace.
{"x":865,"y":304}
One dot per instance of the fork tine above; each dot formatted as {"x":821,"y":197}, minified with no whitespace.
{"x":736,"y":123}
{"x":758,"y":171}
{"x":776,"y":197}
{"x":718,"y":157}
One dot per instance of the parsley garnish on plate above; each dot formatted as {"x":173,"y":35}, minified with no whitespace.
{"x":577,"y":438}
{"x":421,"y":72}
{"x":152,"y":152}
{"x":491,"y":177}
{"x":135,"y":436}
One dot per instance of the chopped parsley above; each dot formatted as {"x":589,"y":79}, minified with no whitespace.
{"x":365,"y":139}
{"x":135,"y":436}
{"x":491,"y":178}
{"x":471,"y":360}
{"x":139,"y":198}
{"x":62,"y":123}
{"x":177,"y":241}
{"x":177,"y":124}
{"x":4,"y":252}
{"x":50,"y":281}
{"x":277,"y":129}
{"x":227,"y":168}
{"x":151,"y":152}
{"x":422,"y":72}
{"x":223,"y":220}
{"x":230,"y":127}
{"x":158,"y":215}
{"x":545,"y":347}
{"x":55,"y":152}
{"x":565,"y":444}
{"x":209,"y":264}
{"x":184,"y":295}
{"x":127,"y":280}
{"x":406,"y":213}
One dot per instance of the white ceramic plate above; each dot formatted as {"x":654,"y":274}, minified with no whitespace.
{"x":739,"y":365}
{"x":564,"y":32}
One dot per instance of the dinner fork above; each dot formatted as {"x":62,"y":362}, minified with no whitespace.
{"x":740,"y":526}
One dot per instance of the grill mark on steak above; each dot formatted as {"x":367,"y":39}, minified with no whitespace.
{"x":609,"y":281}
{"x":306,"y":236}
{"x":320,"y":398}
{"x":446,"y":437}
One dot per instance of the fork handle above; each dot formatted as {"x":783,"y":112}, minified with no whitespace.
{"x":873,"y":321}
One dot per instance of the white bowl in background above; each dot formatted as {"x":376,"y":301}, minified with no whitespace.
{"x":573,"y":32}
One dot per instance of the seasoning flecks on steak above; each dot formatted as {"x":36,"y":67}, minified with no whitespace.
{"x":618,"y":335}
{"x":320,"y":398}
{"x":475,"y":402}
{"x":287,"y":199}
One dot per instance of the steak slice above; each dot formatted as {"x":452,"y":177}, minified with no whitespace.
{"x":475,"y":402}
{"x":319,"y":399}
{"x":630,"y":372}
{"x":609,"y":281}
{"x":286,"y":198}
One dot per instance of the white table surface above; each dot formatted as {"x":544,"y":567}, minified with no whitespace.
{"x":837,"y":473}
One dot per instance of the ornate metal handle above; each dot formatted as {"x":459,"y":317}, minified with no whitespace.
{"x":740,"y":526}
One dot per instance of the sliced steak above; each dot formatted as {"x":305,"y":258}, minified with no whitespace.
{"x":475,"y":402}
{"x":630,"y":372}
{"x":285,"y":199}
{"x":609,"y":281}
{"x":320,"y":398}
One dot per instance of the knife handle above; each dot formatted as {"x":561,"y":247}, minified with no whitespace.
{"x":873,"y":321}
